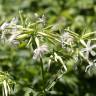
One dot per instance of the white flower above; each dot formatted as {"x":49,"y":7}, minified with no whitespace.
{"x":9,"y":35}
{"x":14,"y":20}
{"x":91,"y":64}
{"x":88,"y":49}
{"x":13,"y":23}
{"x":55,"y":27}
{"x":4,"y":25}
{"x":42,"y":19}
{"x":66,"y":38}
{"x":40,"y":51}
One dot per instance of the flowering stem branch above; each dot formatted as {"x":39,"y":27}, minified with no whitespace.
{"x":43,"y":79}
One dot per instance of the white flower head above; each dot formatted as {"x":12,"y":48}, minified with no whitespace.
{"x":9,"y":34}
{"x":42,"y":20}
{"x":14,"y":20}
{"x":4,"y":25}
{"x":88,"y":49}
{"x":66,"y":38}
{"x":90,"y":66}
{"x":40,"y":51}
{"x":55,"y":27}
{"x":13,"y":23}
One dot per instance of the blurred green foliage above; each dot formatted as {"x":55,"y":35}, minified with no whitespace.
{"x":79,"y":16}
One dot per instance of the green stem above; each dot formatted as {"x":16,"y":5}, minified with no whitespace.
{"x":88,"y":34}
{"x":43,"y":79}
{"x":21,"y":18}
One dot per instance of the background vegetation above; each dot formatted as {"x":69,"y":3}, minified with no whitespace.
{"x":79,"y":16}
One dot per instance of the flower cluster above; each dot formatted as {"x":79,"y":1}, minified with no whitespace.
{"x":5,"y":25}
{"x":9,"y":31}
{"x":40,"y":51}
{"x":87,"y":51}
{"x":66,"y":39}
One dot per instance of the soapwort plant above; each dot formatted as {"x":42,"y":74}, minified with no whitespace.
{"x":48,"y":47}
{"x":35,"y":36}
